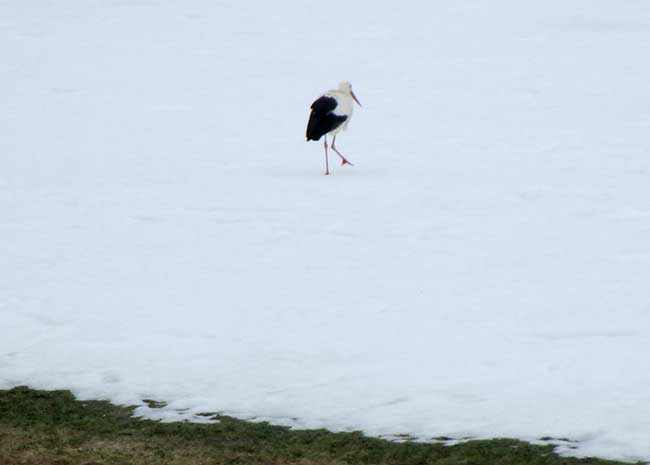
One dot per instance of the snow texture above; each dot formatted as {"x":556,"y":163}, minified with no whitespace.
{"x":482,"y":271}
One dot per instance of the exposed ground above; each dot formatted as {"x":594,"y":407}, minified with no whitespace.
{"x":52,"y":427}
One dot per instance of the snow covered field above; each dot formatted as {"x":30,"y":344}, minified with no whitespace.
{"x":483,"y":270}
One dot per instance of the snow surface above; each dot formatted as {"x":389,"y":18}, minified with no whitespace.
{"x":483,"y":271}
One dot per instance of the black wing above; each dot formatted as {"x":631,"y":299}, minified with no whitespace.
{"x":322,"y":119}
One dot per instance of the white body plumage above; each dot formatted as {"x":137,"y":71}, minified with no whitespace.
{"x":344,"y":106}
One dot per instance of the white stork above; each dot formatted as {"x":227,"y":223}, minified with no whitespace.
{"x":330,"y":114}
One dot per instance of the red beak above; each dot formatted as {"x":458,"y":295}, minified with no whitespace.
{"x":355,"y":98}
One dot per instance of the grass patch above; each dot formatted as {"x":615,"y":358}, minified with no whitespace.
{"x":52,"y":427}
{"x":154,"y":403}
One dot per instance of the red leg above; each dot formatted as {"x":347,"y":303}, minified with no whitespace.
{"x":344,"y":161}
{"x":327,"y":166}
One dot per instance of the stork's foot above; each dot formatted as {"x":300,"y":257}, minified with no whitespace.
{"x":345,"y":162}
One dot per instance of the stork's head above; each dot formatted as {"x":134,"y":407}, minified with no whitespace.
{"x":345,"y":86}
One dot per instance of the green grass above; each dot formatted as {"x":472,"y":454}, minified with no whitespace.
{"x":52,"y":427}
